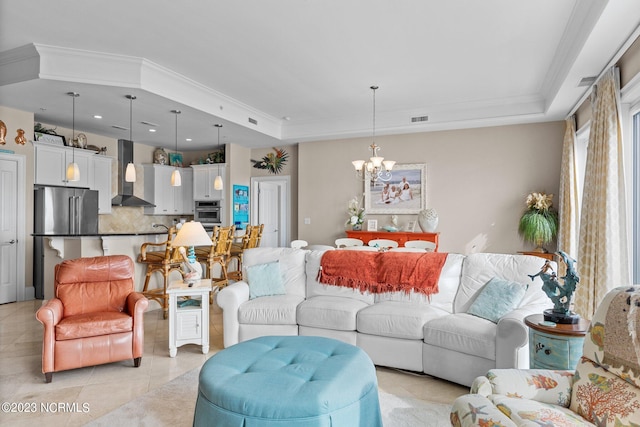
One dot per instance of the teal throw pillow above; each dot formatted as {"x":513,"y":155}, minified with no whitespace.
{"x":497,"y":298}
{"x":265,"y":280}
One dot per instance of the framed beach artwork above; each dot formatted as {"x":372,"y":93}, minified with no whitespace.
{"x":404,"y":193}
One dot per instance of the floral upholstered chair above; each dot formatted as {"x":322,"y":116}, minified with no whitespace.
{"x":604,"y":390}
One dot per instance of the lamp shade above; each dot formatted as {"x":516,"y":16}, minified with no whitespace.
{"x":73,"y":172}
{"x":192,"y":233}
{"x":130,"y":173}
{"x":217,"y":183}
{"x":176,"y":179}
{"x":358,"y":164}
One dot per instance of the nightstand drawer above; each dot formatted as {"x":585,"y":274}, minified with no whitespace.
{"x":549,"y":351}
{"x":558,"y":346}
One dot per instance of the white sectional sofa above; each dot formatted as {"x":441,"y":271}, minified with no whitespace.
{"x":433,"y":335}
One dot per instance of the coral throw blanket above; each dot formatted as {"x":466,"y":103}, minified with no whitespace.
{"x":379,"y":272}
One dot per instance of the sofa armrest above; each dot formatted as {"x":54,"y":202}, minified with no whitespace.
{"x":229,"y":300}
{"x":136,"y":304}
{"x":475,"y":410}
{"x":49,"y":315}
{"x":512,"y":334}
{"x":482,"y":386}
{"x":541,"y":385}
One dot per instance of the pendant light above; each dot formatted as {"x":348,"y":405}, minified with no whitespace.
{"x":130,"y":173}
{"x":217,"y":183}
{"x":73,"y":171}
{"x":176,"y":179}
{"x":376,"y":167}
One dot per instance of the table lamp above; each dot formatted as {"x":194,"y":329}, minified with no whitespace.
{"x":191,"y":234}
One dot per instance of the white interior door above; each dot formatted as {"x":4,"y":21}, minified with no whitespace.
{"x":8,"y":231}
{"x":270,"y":198}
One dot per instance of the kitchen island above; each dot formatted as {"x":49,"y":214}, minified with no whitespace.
{"x":59,"y":247}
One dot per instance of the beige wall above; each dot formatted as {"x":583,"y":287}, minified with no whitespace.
{"x":291,"y":169}
{"x":477,"y":180}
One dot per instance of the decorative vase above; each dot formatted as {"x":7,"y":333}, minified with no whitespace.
{"x":356,"y":227}
{"x":428,"y":220}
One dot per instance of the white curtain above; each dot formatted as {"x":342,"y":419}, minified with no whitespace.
{"x":603,"y":252}
{"x":569,"y":208}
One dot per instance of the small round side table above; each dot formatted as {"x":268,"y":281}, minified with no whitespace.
{"x":555,"y":347}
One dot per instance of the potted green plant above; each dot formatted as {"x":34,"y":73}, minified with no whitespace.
{"x":539,"y":223}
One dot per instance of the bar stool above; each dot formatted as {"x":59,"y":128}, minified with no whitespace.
{"x":250,"y":239}
{"x":222,"y":238}
{"x":164,"y":260}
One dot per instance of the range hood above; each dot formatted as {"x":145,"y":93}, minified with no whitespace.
{"x":125,"y":195}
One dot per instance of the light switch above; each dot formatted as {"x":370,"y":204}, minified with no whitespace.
{"x":307,"y":221}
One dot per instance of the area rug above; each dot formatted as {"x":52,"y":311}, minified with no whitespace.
{"x":173,"y":403}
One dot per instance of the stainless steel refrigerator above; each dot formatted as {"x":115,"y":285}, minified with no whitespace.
{"x":60,"y":211}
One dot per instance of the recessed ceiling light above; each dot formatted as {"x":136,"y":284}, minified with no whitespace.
{"x":287,"y":118}
{"x":97,"y":116}
{"x":188,"y":140}
{"x":152,"y":130}
{"x":43,"y":109}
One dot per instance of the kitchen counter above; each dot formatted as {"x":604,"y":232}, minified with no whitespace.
{"x":133,"y":233}
{"x":58,"y":247}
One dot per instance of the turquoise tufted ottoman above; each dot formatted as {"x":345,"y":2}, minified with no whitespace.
{"x":288,"y":381}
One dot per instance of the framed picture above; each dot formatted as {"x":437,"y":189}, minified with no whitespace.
{"x":175,"y":159}
{"x":50,"y":138}
{"x":372,"y":225}
{"x":404,"y":193}
{"x":410,"y":227}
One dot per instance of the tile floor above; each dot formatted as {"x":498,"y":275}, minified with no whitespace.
{"x":100,"y":389}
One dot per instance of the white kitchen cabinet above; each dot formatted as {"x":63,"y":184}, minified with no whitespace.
{"x":51,"y":165}
{"x":169,"y":200}
{"x":203,"y":177}
{"x":102,"y":182}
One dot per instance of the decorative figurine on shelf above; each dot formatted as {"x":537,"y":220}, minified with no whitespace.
{"x":160,"y":156}
{"x":20,"y":139}
{"x":3,"y":132}
{"x":559,"y":294}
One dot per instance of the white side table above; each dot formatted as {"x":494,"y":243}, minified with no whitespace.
{"x":189,"y":323}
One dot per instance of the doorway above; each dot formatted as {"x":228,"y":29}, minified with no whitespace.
{"x":271,"y":206}
{"x":12,"y":228}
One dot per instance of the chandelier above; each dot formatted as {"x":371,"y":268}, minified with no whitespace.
{"x":376,"y":168}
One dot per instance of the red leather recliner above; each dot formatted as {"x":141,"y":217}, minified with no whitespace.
{"x":96,"y":316}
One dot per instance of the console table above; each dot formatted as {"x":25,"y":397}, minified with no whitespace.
{"x":399,"y":236}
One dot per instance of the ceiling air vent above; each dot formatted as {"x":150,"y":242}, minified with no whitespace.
{"x":119,"y":127}
{"x":253,"y":121}
{"x":587,"y":81}
{"x":419,"y":119}
{"x":149,"y":124}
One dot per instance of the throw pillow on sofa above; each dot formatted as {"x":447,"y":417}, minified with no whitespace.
{"x":497,"y":298}
{"x":265,"y":280}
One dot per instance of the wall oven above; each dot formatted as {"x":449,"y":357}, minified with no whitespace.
{"x":209,"y":213}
